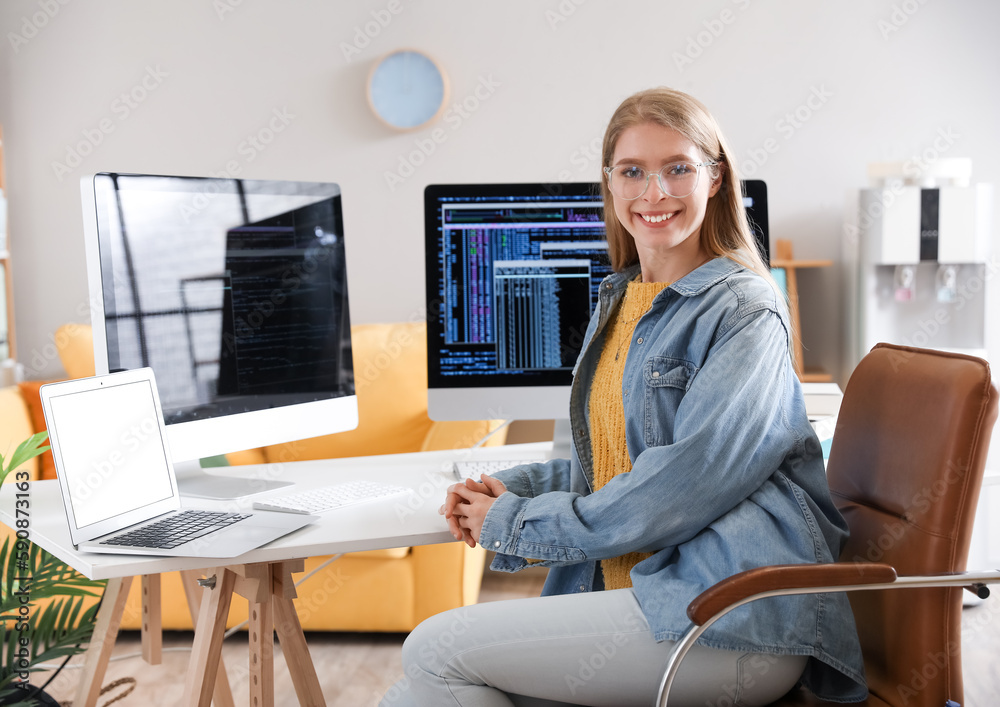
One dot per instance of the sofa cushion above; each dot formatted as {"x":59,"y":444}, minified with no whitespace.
{"x":75,"y":343}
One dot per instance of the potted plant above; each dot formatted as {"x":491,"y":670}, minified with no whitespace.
{"x":43,"y":601}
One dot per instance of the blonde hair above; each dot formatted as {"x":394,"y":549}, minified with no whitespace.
{"x":725,"y":230}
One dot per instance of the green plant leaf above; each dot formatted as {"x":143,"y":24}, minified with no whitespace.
{"x":59,"y":628}
{"x":62,"y":627}
{"x":27,"y":450}
{"x":51,"y":577}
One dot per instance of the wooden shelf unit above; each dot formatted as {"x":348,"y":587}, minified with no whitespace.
{"x":787,"y":262}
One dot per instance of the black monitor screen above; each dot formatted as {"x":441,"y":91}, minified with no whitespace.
{"x":755,"y":201}
{"x":512,"y":278}
{"x":233,"y":291}
{"x":513,"y":272}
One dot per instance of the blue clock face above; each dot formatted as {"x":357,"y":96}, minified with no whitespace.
{"x":406,"y":89}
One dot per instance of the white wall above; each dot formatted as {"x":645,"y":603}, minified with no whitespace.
{"x":885,"y":78}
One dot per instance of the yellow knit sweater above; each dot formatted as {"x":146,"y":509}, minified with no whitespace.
{"x":607,"y":412}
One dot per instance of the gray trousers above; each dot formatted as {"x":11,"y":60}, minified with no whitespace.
{"x":578,"y":649}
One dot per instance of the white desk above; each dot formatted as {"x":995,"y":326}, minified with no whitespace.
{"x":263,"y":576}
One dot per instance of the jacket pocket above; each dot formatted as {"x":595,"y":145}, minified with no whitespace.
{"x":666,"y":381}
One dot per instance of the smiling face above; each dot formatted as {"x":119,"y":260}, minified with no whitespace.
{"x":666,"y":229}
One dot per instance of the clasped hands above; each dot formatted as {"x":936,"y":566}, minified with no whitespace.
{"x":466,"y":505}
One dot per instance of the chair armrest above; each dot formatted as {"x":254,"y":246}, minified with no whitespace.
{"x":783,"y":580}
{"x":781,"y":577}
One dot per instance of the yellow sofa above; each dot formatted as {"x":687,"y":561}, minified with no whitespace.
{"x":386,"y":590}
{"x":16,"y":425}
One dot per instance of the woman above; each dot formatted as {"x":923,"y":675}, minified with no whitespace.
{"x":693,"y":460}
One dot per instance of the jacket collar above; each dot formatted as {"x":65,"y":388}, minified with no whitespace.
{"x":691,"y":285}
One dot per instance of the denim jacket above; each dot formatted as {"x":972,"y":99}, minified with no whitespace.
{"x":727,"y":475}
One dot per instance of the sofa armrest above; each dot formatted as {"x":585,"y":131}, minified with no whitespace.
{"x":16,"y":426}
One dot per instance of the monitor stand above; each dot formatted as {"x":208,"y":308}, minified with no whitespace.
{"x":193,"y":480}
{"x":562,"y":440}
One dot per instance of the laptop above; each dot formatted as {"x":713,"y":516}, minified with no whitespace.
{"x":117,"y":480}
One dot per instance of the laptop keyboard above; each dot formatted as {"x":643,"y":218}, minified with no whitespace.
{"x":175,"y":530}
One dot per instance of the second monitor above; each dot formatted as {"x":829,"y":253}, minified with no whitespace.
{"x":513,"y":272}
{"x":512,"y":278}
{"x":234,"y":291}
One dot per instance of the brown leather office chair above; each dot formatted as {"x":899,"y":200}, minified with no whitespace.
{"x":905,"y":469}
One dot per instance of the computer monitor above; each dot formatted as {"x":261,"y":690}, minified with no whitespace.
{"x":234,"y":292}
{"x":755,"y":201}
{"x":512,"y":278}
{"x":513,"y":272}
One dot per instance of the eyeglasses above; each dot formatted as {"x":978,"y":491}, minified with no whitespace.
{"x":677,"y":179}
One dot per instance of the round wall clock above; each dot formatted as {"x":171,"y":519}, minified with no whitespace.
{"x":407,"y":89}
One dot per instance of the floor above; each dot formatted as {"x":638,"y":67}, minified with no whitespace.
{"x":981,"y":652}
{"x":355,"y":670}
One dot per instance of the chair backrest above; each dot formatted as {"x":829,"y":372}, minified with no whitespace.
{"x":905,"y":469}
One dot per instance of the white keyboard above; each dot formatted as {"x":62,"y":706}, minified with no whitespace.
{"x":328,"y":498}
{"x":473,"y":469}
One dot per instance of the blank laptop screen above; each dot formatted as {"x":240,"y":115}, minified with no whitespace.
{"x":110,"y":450}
